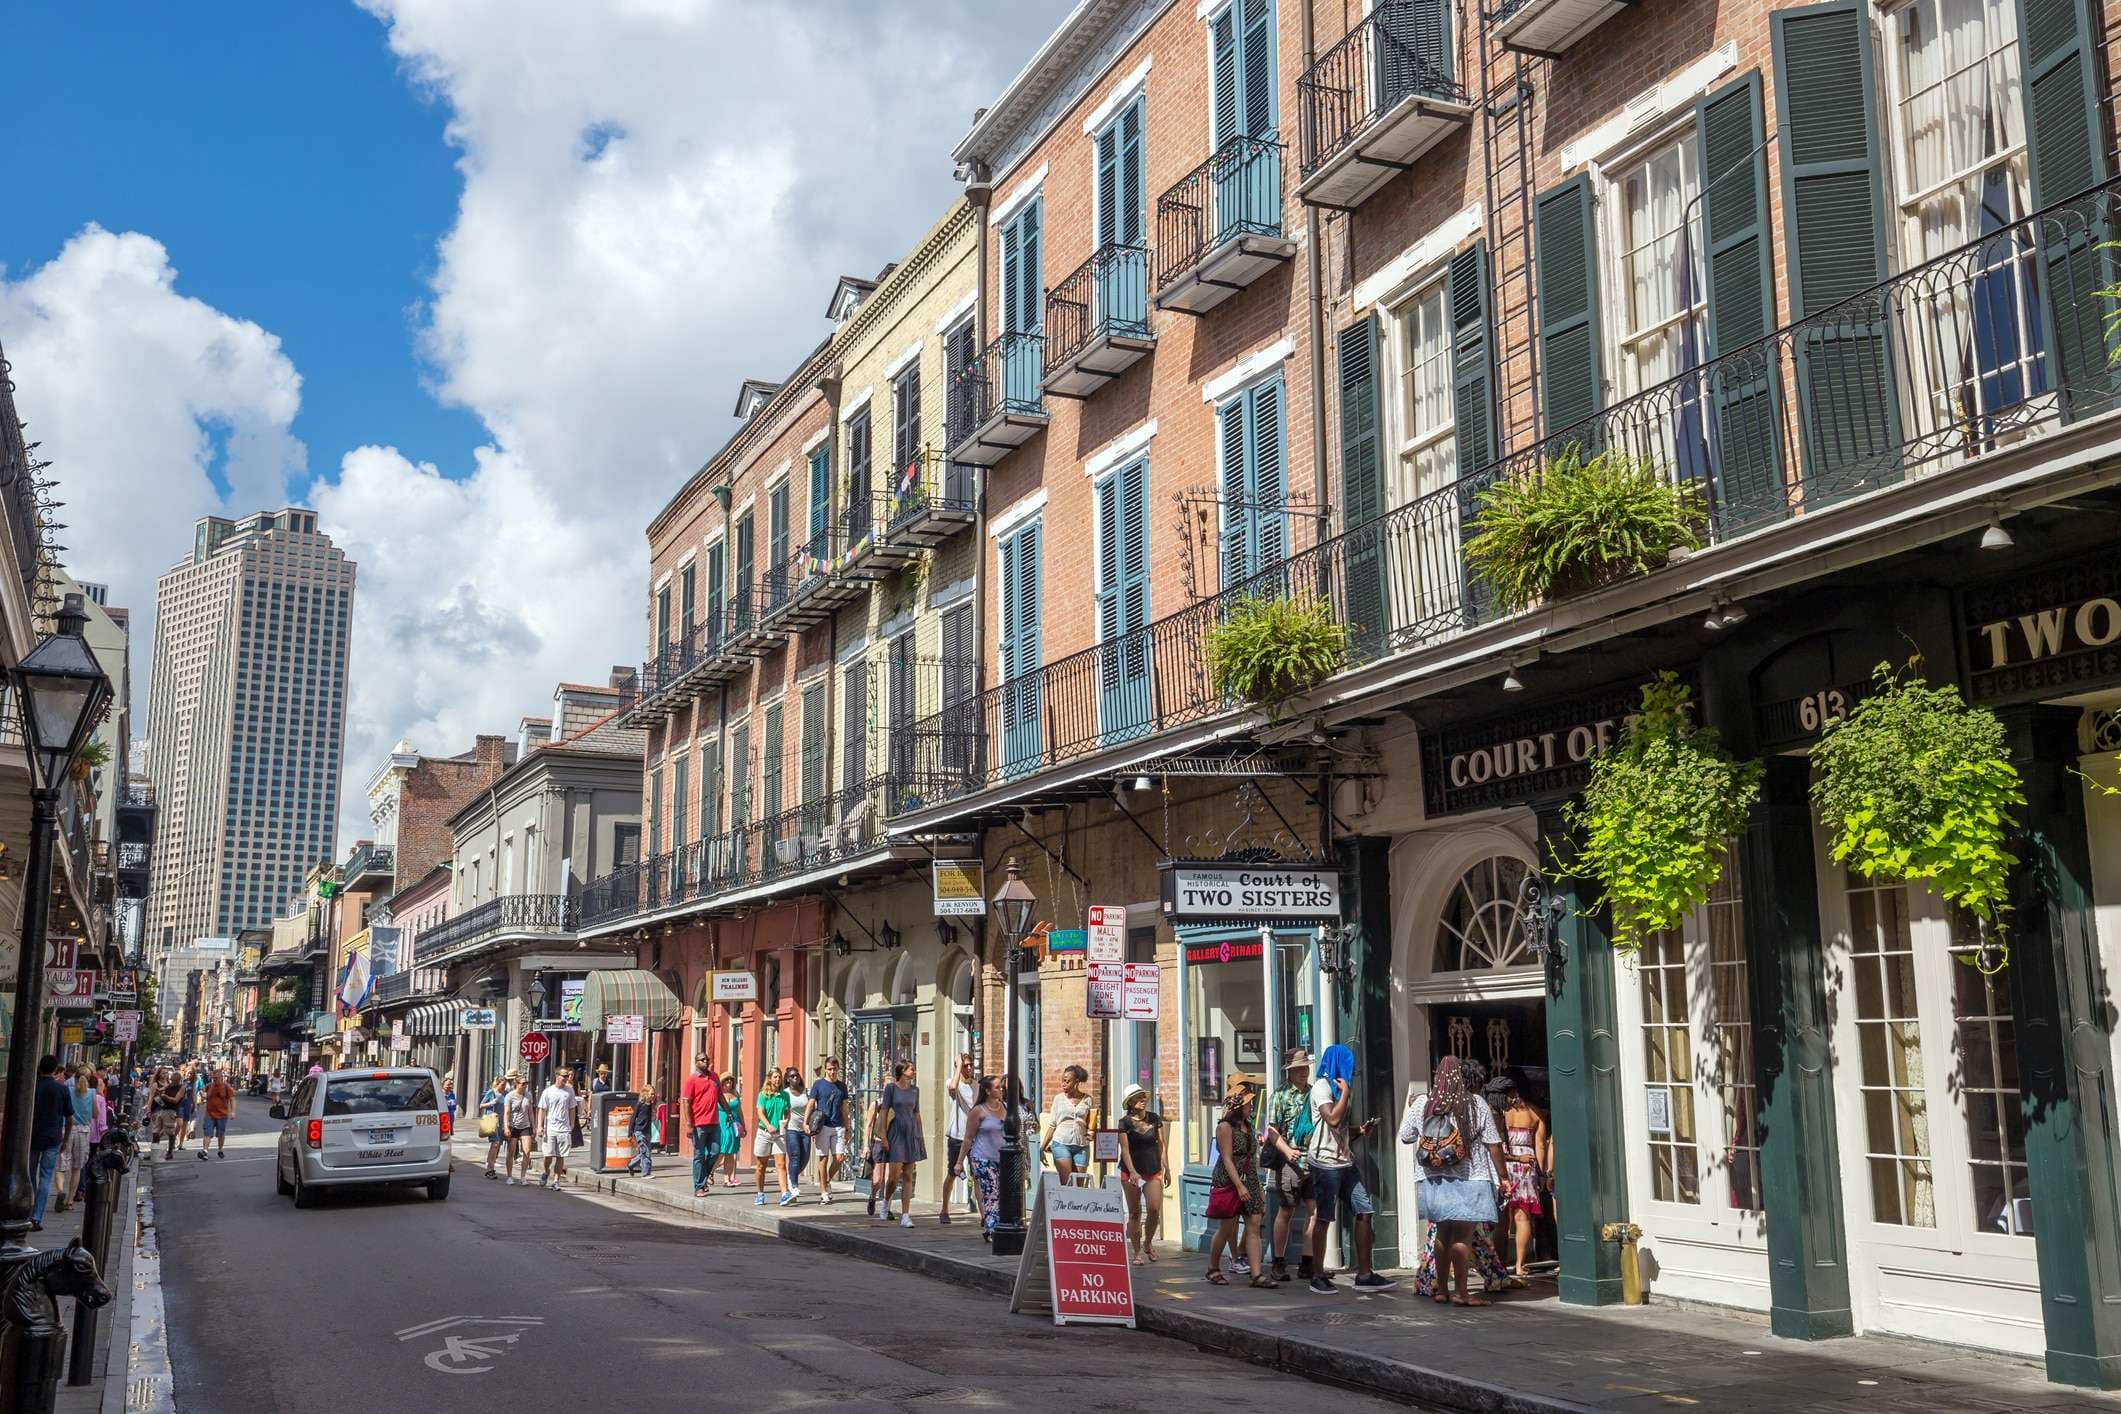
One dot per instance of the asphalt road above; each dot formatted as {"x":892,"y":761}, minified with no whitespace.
{"x":341,"y":1308}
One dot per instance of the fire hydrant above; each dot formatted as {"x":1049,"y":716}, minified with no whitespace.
{"x":1627,"y":1235}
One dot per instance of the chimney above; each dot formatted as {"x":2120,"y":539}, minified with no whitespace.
{"x":623,"y":677}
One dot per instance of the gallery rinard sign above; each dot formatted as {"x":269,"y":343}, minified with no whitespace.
{"x":1213,"y":892}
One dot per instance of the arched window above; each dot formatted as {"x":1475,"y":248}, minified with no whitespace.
{"x":902,"y":982}
{"x":1481,"y":928}
{"x":854,"y":991}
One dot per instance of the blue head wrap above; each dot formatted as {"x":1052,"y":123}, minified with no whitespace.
{"x":1338,"y":1063}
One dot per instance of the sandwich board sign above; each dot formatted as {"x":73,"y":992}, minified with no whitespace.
{"x":1075,"y":1257}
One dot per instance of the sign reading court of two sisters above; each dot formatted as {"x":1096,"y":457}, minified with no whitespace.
{"x":1233,"y":891}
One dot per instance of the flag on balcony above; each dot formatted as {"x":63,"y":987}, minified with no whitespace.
{"x":908,"y":479}
{"x":353,"y":983}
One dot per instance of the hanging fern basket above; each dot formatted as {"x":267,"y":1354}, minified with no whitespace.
{"x":1914,"y":785}
{"x":1270,"y":649}
{"x":1661,"y":807}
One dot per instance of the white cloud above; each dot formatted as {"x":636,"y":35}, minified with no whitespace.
{"x":657,"y":196}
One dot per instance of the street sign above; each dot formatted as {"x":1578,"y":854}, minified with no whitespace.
{"x":128,"y":1027}
{"x":735,"y":987}
{"x":69,"y":986}
{"x":1207,"y":891}
{"x":401,"y":1042}
{"x":629,"y":1030}
{"x":59,"y":953}
{"x":1086,"y":1276}
{"x":479,"y":1018}
{"x":1108,"y":933}
{"x":960,"y":888}
{"x":535,"y":1047}
{"x":1129,"y":991}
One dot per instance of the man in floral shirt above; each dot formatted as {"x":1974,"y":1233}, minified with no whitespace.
{"x":1282,"y":1155}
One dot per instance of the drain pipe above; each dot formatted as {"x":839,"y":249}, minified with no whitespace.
{"x":1315,"y":267}
{"x":980,"y":192}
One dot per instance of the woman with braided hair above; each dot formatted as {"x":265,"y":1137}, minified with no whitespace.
{"x":1458,"y":1153}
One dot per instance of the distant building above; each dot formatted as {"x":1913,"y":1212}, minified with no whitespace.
{"x":246,"y":713}
{"x":412,"y":797}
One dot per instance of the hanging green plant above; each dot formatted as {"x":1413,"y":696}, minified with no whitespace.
{"x":1661,"y":805}
{"x":1914,"y":784}
{"x":1579,"y":525}
{"x":1270,"y":649}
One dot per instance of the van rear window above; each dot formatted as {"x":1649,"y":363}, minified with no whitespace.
{"x":368,"y":1095}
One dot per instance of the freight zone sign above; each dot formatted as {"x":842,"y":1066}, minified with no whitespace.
{"x":1196,"y":892}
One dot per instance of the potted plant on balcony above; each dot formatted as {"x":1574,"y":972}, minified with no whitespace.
{"x":92,"y":757}
{"x":1662,"y":804}
{"x":1269,"y":649}
{"x":1915,"y":784}
{"x":1578,"y":525}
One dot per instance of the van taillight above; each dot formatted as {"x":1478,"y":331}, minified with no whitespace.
{"x":445,"y":1124}
{"x":316,"y":1134}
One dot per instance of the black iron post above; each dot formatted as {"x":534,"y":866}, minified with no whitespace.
{"x":35,"y":1354}
{"x":112,"y":1157}
{"x":1013,"y":904}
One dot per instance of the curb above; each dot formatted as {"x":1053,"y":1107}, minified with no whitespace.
{"x":1311,"y":1359}
{"x":116,"y":1331}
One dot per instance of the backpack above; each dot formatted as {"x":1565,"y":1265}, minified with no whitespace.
{"x":1306,"y":1124}
{"x":1442,"y":1148}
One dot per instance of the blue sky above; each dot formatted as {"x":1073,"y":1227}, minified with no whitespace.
{"x":294,"y":176}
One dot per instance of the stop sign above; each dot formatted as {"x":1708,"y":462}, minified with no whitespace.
{"x":535,"y":1047}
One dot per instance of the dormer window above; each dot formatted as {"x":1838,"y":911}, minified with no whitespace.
{"x":754,"y":394}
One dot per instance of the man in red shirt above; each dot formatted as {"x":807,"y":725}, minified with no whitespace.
{"x":702,"y":1102}
{"x":220,"y":1104}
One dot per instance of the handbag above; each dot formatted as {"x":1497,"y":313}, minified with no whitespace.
{"x":489,"y":1125}
{"x":1223,"y":1204}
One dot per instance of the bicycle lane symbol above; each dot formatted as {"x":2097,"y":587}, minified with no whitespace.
{"x":468,"y":1354}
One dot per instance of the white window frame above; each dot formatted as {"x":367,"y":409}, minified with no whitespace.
{"x":1618,"y":371}
{"x":1400,"y":310}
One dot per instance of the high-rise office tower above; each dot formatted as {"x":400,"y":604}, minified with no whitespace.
{"x":246,"y":712}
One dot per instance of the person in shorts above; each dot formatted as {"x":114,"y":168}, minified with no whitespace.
{"x":516,"y":1117}
{"x":828,"y":1125}
{"x":1286,"y":1166}
{"x":220,"y":1104}
{"x":1337,"y":1190}
{"x":958,"y":1099}
{"x":556,"y":1121}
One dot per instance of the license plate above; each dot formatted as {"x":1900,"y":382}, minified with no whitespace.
{"x":382,"y":1136}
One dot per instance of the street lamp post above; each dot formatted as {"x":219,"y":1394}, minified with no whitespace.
{"x":61,"y":693}
{"x":537,"y":1016}
{"x":1013,"y":903}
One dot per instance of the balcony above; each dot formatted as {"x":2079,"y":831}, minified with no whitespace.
{"x":939,"y":747}
{"x":934,"y":499}
{"x":507,"y":917}
{"x":1219,"y":229}
{"x":751,"y":633}
{"x":794,"y":588}
{"x":1548,"y":28}
{"x":1097,"y":321}
{"x":997,"y":404}
{"x":870,"y":555}
{"x":1971,"y":354}
{"x":370,"y":865}
{"x":1373,"y":104}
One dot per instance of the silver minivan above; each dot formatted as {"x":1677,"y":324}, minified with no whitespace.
{"x":342,"y":1128}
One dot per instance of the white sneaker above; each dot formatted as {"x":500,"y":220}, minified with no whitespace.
{"x":825,"y":1197}
{"x":511,"y":1182}
{"x":905,"y":1220}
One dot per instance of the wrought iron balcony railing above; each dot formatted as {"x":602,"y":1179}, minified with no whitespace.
{"x":788,"y":585}
{"x":1097,"y":320}
{"x":1396,"y":53}
{"x":508,"y":914}
{"x":997,"y":402}
{"x":930,"y":500}
{"x":1970,"y":353}
{"x":1236,"y":193}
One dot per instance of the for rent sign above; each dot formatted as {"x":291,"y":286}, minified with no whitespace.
{"x":1196,"y":892}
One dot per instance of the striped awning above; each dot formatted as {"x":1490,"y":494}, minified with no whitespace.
{"x":436,"y":1020}
{"x":631,"y":991}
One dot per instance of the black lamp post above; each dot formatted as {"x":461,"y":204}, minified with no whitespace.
{"x":61,"y":693}
{"x":537,"y":1014}
{"x":1013,"y":903}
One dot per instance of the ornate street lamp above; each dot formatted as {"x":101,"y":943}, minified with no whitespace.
{"x":537,"y":1015}
{"x":61,"y":694}
{"x":1013,"y":903}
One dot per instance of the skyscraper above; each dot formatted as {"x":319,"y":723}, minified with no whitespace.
{"x":246,"y":713}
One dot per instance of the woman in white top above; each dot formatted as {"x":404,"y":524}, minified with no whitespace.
{"x":1066,"y":1139}
{"x":795,"y":1133}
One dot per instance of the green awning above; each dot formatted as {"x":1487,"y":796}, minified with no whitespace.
{"x":631,"y":991}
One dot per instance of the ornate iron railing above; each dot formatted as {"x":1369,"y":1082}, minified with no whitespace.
{"x":510,"y":913}
{"x":1106,"y":296}
{"x":1393,"y":55}
{"x":794,"y":578}
{"x":932,"y":482}
{"x":1236,"y":192}
{"x":1005,"y":378}
{"x":1974,"y":351}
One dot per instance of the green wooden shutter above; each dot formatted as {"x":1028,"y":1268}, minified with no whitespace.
{"x":1742,"y":406}
{"x":820,"y":492}
{"x":717,"y":594}
{"x":777,"y":544}
{"x":1566,"y":262}
{"x":678,"y":805}
{"x":854,"y":728}
{"x":1362,"y":487}
{"x":1472,"y":359}
{"x":770,"y":768}
{"x":655,"y":814}
{"x":1222,"y":43}
{"x":813,"y":742}
{"x":1834,"y":228}
{"x":2066,"y":155}
{"x":740,"y":778}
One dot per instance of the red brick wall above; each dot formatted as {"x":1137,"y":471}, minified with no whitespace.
{"x":434,"y":791}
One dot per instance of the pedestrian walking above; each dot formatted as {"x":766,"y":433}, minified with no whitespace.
{"x":828,"y":1125}
{"x":768,"y":1148}
{"x":730,"y":1124}
{"x":876,"y":1165}
{"x":601,"y":1085}
{"x":490,"y":1122}
{"x":449,"y":1100}
{"x":795,"y":1131}
{"x":958,"y":1099}
{"x":1288,"y":1167}
{"x":1526,"y":1146}
{"x":1337,"y":1191}
{"x":571,"y":1077}
{"x":556,"y":1122}
{"x":701,"y":1104}
{"x":187,"y":1104}
{"x":1143,"y":1163}
{"x":220,"y":1107}
{"x":519,"y":1118}
{"x":1066,"y":1134}
{"x":1458,"y":1154}
{"x":169,"y":1110}
{"x":51,"y":1124}
{"x":1234,"y":1194}
{"x":904,"y":1146}
{"x":72,"y":1171}
{"x":642,"y":1163}
{"x":983,"y":1152}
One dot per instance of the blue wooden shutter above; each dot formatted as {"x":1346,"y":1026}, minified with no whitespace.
{"x":1258,"y":46}
{"x":1123,"y":600}
{"x":1108,"y":223}
{"x":1362,"y":485}
{"x":1270,"y":478}
{"x":1236,"y":526}
{"x":1109,"y":621}
{"x":1222,"y":41}
{"x":1131,"y":196}
{"x":1012,"y":278}
{"x":1834,"y":229}
{"x":2065,"y":153}
{"x":1743,"y":408}
{"x":1022,"y":694}
{"x":1566,"y":264}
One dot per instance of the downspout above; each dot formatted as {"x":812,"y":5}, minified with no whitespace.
{"x":979,"y":190}
{"x":1314,"y":262}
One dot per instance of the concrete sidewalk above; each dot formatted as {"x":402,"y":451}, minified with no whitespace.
{"x":1528,"y":1352}
{"x":106,"y":1391}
